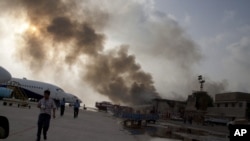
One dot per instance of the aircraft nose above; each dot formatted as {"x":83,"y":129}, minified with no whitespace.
{"x":73,"y":97}
{"x":79,"y":100}
{"x":5,"y":75}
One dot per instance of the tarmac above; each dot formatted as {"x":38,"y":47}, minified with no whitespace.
{"x":213,"y":130}
{"x":89,"y":126}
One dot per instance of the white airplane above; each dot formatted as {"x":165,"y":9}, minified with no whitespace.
{"x":35,"y":90}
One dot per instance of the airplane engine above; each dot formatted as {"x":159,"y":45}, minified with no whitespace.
{"x":5,"y":92}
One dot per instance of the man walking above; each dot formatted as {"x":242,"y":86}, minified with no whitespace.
{"x":76,"y":108}
{"x":62,"y":106}
{"x":46,"y":104}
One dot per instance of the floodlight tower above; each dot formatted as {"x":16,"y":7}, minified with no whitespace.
{"x":201,"y":81}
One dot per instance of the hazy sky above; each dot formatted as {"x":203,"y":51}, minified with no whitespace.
{"x":222,"y":29}
{"x":174,"y":41}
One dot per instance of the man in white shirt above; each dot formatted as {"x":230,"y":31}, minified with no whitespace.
{"x":46,"y":104}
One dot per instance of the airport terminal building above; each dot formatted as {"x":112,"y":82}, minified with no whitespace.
{"x":231,"y":106}
{"x":169,"y":108}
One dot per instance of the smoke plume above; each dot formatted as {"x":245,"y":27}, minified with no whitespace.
{"x":57,"y":27}
{"x":74,"y":33}
{"x":56,"y":22}
{"x":117,"y":75}
{"x":216,"y":87}
{"x":164,"y":48}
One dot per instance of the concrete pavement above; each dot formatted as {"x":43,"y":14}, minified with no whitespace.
{"x":89,"y":126}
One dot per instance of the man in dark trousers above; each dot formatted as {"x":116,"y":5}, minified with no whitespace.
{"x":46,"y":104}
{"x":62,"y":106}
{"x":76,"y":108}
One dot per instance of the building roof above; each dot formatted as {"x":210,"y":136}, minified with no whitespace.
{"x":232,"y":96}
{"x":168,"y":100}
{"x":171,"y":103}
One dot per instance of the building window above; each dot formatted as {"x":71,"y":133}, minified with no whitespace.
{"x":240,"y":104}
{"x":248,"y":105}
{"x":233,"y":104}
{"x":226,"y":105}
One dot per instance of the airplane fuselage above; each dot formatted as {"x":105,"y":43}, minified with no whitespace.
{"x":35,"y":89}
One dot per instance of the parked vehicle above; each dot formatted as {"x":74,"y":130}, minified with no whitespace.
{"x":4,"y":127}
{"x":216,"y":121}
{"x":239,"y":122}
{"x":103,"y":106}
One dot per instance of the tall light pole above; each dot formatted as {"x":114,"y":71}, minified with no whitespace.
{"x":201,"y":81}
